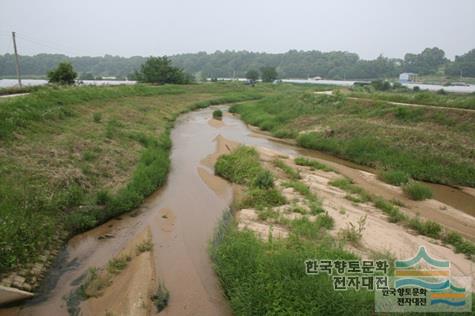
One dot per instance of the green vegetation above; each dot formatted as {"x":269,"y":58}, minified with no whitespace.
{"x":264,"y":180}
{"x":218,"y":114}
{"x":160,"y":70}
{"x":64,"y":74}
{"x":291,"y":64}
{"x":268,"y":74}
{"x":161,"y":297}
{"x":252,"y":75}
{"x":251,"y":269}
{"x":357,"y":194}
{"x":427,"y":228}
{"x":417,"y":191}
{"x":450,"y":100}
{"x":242,"y":166}
{"x":63,"y":171}
{"x":314,"y":164}
{"x":289,"y":171}
{"x":393,"y":212}
{"x":427,"y":144}
{"x":394,"y":177}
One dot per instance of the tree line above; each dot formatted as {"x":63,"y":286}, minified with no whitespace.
{"x":292,"y":64}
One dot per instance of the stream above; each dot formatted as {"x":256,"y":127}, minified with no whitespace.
{"x":180,"y":218}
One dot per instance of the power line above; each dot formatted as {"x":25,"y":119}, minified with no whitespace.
{"x":46,"y":45}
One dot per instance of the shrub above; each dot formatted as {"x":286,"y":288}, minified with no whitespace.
{"x":64,"y":74}
{"x":97,"y":117}
{"x":394,"y":177}
{"x":161,"y":297}
{"x":417,"y":191}
{"x":264,"y":180}
{"x":218,"y":114}
{"x":262,"y":198}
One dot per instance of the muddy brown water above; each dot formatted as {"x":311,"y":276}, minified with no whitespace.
{"x":181,"y":218}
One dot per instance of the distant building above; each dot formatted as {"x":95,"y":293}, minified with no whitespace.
{"x":407,"y":77}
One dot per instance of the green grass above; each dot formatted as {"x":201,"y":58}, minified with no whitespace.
{"x":241,"y":166}
{"x":82,"y":170}
{"x":427,"y":228}
{"x":314,"y":203}
{"x":347,"y":185}
{"x":451,"y":100}
{"x":395,"y":215}
{"x":268,"y":278}
{"x":314,"y":164}
{"x":289,"y":171}
{"x":394,"y":177}
{"x":427,"y":144}
{"x":417,"y":191}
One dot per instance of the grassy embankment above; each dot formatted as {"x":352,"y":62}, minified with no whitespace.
{"x":71,"y":158}
{"x":450,"y":100}
{"x":430,"y":144}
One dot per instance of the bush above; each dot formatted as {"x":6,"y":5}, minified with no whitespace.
{"x":64,"y":74}
{"x":417,"y":191}
{"x":394,"y":177}
{"x":218,"y":114}
{"x":264,"y":180}
{"x":97,"y":117}
{"x":262,"y":198}
{"x":161,"y":297}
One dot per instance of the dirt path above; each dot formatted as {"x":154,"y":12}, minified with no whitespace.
{"x":330,"y":92}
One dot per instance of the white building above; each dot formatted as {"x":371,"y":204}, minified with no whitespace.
{"x":407,"y":77}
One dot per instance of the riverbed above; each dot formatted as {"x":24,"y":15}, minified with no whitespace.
{"x":180,"y":219}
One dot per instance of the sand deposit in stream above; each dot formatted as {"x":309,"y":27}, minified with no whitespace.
{"x":379,"y":236}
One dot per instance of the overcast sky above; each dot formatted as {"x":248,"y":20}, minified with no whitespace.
{"x":159,"y":27}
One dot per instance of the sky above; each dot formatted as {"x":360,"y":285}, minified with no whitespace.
{"x":157,"y":27}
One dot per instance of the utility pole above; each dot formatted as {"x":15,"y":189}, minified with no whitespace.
{"x":18,"y":75}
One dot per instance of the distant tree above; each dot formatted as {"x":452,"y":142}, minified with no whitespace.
{"x":160,"y":70}
{"x":268,"y":74}
{"x":463,"y":65}
{"x":63,"y":74}
{"x":252,"y":75}
{"x":427,"y":62}
{"x":86,"y":76}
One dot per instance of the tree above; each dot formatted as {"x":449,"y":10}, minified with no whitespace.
{"x":252,"y":75}
{"x":63,"y":74}
{"x":268,"y":74}
{"x":160,"y":70}
{"x":427,"y":62}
